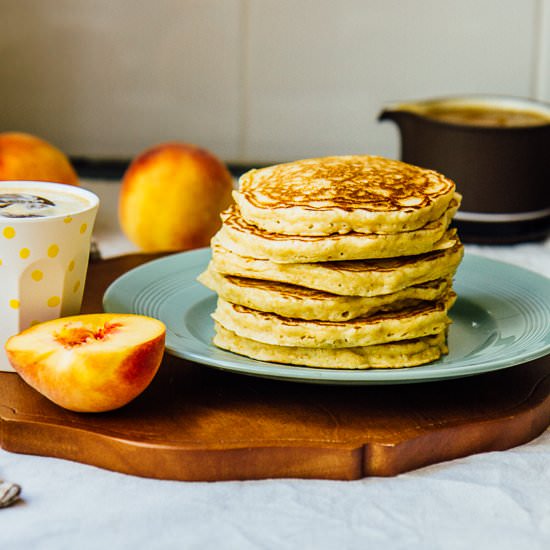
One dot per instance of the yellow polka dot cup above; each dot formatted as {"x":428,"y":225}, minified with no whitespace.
{"x":45,"y":234}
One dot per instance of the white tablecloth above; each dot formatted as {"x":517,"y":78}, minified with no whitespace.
{"x":497,"y":500}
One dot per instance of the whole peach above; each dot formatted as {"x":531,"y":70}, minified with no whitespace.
{"x":27,"y":157}
{"x":172,"y":196}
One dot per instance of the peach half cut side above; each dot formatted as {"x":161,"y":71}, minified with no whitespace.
{"x":89,"y":363}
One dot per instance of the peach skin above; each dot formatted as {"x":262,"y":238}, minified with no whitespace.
{"x":172,"y":196}
{"x":27,"y":157}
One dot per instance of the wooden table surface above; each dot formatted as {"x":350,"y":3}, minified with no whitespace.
{"x":198,"y":423}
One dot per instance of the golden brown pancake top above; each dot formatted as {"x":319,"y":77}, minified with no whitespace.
{"x":347,"y":182}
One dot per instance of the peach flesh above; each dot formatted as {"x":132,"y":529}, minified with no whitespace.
{"x":89,"y":363}
{"x":69,"y":336}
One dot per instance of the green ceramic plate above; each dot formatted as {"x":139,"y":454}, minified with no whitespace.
{"x":501,"y":319}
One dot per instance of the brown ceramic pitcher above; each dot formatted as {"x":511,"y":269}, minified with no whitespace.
{"x":496,"y":149}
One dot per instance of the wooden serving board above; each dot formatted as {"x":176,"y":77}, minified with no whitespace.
{"x":199,"y":423}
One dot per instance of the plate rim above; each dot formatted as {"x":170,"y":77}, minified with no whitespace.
{"x":253,"y":367}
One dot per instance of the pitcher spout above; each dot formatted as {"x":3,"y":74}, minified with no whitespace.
{"x":397,"y":112}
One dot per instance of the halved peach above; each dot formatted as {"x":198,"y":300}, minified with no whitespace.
{"x":89,"y":363}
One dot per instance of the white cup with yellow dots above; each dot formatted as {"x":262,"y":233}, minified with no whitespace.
{"x":45,"y":234}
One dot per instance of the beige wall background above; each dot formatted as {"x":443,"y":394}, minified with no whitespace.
{"x":255,"y":80}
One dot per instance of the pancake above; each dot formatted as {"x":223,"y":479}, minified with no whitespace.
{"x":407,"y":353}
{"x":305,"y":303}
{"x":246,"y":239}
{"x":348,"y":278}
{"x":342,"y":262}
{"x":411,"y":322}
{"x":357,"y":193}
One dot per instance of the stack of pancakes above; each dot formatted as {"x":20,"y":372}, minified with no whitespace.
{"x":337,"y":262}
